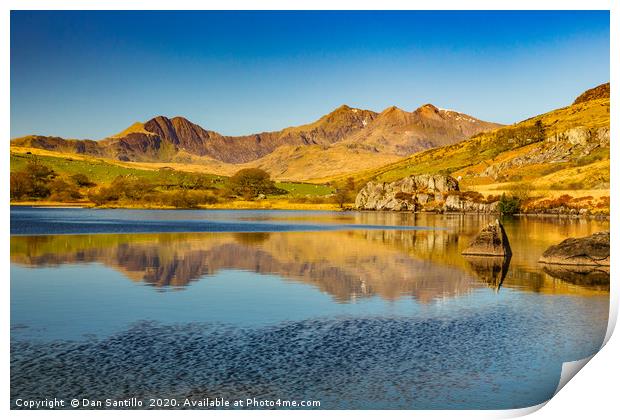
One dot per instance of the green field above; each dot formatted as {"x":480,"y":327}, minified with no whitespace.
{"x":99,"y":171}
{"x":102,"y":172}
{"x":304,"y":189}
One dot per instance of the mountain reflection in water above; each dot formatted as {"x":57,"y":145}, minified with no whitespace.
{"x":353,"y":315}
{"x":348,"y":265}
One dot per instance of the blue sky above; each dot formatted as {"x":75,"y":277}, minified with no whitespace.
{"x":91,"y":74}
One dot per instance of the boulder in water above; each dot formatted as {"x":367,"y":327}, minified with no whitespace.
{"x":491,"y":241}
{"x":592,"y":250}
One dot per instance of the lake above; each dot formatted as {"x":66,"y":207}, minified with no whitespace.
{"x":357,"y":310}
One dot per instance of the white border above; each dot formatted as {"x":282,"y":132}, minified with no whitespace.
{"x":593,"y":394}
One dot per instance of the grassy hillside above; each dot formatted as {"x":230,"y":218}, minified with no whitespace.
{"x":471,"y":158}
{"x":83,"y":180}
{"x":100,"y":171}
{"x":318,"y":163}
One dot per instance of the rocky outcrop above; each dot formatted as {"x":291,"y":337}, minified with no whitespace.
{"x":589,"y":251}
{"x":491,"y":241}
{"x":599,"y":92}
{"x":411,"y":193}
{"x":574,"y":143}
{"x":420,"y":193}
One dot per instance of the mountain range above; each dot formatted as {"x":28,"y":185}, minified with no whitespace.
{"x":346,"y":139}
{"x":563,"y":149}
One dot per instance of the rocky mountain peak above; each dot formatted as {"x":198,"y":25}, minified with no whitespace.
{"x":428,"y":108}
{"x":428,"y":111}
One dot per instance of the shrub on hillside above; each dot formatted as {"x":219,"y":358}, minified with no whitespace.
{"x":82,"y":180}
{"x":31,"y":182}
{"x":521,"y":191}
{"x":61,"y":190}
{"x":103,"y":195}
{"x":131,"y":187}
{"x":509,"y":205}
{"x":21,"y":185}
{"x":522,"y":134}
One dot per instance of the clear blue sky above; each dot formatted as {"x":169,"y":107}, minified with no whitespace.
{"x":91,"y":74}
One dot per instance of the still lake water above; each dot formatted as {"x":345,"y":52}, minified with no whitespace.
{"x":356,"y":310}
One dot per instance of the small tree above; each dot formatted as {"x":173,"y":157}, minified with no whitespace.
{"x":21,"y":185}
{"x":33,"y":181}
{"x":63,"y":191}
{"x":39,"y":171}
{"x":341,"y":197}
{"x":522,"y":191}
{"x":539,"y":131}
{"x":249,"y":183}
{"x":82,"y":180}
{"x":103,"y":195}
{"x":509,"y":205}
{"x":345,"y":193}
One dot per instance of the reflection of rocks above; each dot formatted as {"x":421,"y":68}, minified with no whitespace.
{"x":458,"y":203}
{"x":491,"y":270}
{"x":592,"y":251}
{"x":580,"y":275}
{"x":491,"y":241}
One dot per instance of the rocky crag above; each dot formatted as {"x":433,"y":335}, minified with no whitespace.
{"x":574,"y":143}
{"x":420,"y":193}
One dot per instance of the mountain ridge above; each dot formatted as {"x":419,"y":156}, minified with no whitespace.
{"x":162,"y":139}
{"x":561,"y":150}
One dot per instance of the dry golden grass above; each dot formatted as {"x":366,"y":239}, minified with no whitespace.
{"x":315,"y":164}
{"x":509,"y":188}
{"x":318,"y":164}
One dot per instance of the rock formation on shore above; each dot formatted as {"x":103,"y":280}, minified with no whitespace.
{"x":589,"y":251}
{"x":419,"y":193}
{"x":491,"y":241}
{"x":410,"y":193}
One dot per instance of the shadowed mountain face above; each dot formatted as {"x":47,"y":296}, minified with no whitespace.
{"x":161,"y":139}
{"x":424,"y":265}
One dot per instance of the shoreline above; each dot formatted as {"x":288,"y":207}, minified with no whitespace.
{"x":236,"y":205}
{"x":270,"y":205}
